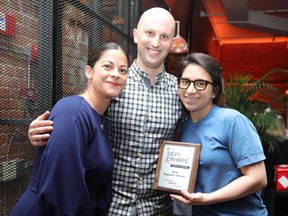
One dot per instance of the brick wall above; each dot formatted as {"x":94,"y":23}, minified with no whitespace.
{"x":15,"y":67}
{"x":18,"y":73}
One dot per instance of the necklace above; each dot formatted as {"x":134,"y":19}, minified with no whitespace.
{"x":102,"y":121}
{"x":93,"y":105}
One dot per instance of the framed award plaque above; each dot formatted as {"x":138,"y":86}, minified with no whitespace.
{"x":177,"y":167}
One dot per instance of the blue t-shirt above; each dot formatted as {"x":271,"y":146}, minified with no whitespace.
{"x":228,"y":141}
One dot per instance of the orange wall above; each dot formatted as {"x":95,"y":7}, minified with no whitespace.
{"x":253,"y":58}
{"x":256,"y":59}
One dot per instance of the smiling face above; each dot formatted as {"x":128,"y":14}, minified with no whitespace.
{"x":109,"y":74}
{"x":153,"y":36}
{"x":198,"y":103}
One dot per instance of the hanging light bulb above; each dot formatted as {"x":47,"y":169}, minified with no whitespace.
{"x":179,"y":44}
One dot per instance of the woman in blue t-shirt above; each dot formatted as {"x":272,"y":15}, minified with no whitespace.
{"x":72,"y":174}
{"x":231,"y":169}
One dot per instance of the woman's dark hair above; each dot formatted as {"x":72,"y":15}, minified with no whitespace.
{"x":211,"y":66}
{"x":96,"y":53}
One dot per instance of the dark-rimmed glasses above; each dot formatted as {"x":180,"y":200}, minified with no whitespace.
{"x":199,"y":85}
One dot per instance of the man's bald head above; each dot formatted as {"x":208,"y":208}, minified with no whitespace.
{"x":157,"y":14}
{"x":154,"y":36}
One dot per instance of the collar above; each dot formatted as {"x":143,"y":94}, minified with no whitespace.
{"x":140,"y":74}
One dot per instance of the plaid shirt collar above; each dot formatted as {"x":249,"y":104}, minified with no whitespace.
{"x":139,"y":74}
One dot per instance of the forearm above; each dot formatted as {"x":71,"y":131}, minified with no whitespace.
{"x":252,"y":180}
{"x":239,"y":188}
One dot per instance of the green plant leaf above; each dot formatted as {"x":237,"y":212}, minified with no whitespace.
{"x":251,"y":98}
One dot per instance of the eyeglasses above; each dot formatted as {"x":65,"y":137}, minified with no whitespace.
{"x":199,"y":85}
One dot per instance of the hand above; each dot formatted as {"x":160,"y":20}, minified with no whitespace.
{"x":190,"y":198}
{"x":39,"y":130}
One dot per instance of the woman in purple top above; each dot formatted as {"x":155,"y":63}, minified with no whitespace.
{"x":72,"y":174}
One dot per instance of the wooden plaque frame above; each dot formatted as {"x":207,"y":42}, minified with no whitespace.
{"x":177,"y":167}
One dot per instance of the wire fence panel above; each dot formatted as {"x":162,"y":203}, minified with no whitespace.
{"x":43,"y":50}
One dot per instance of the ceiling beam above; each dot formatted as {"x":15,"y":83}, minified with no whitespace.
{"x":239,"y":14}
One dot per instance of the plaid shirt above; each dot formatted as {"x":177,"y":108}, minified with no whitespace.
{"x":140,"y":119}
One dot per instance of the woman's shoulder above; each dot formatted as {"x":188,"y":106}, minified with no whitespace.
{"x":226,"y":111}
{"x":69,"y":102}
{"x":228,"y":114}
{"x":68,"y":105}
{"x":69,"y":99}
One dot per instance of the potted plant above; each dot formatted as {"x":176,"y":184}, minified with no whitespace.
{"x":256,"y":100}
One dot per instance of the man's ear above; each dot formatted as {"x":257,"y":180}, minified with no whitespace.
{"x":135,"y":33}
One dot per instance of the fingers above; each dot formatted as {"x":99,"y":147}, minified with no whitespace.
{"x":180,"y":198}
{"x":189,"y":198}
{"x":38,"y":136}
{"x":186,"y":194}
{"x":39,"y":130}
{"x":44,"y":116}
{"x":41,"y":121}
{"x":39,"y":143}
{"x":192,"y":196}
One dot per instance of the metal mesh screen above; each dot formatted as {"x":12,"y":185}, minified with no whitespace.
{"x":84,"y":26}
{"x":44,"y":47}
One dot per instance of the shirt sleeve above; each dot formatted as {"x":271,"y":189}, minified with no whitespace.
{"x":62,"y":186}
{"x":244,"y":142}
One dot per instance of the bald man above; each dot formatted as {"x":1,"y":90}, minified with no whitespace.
{"x":141,"y":118}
